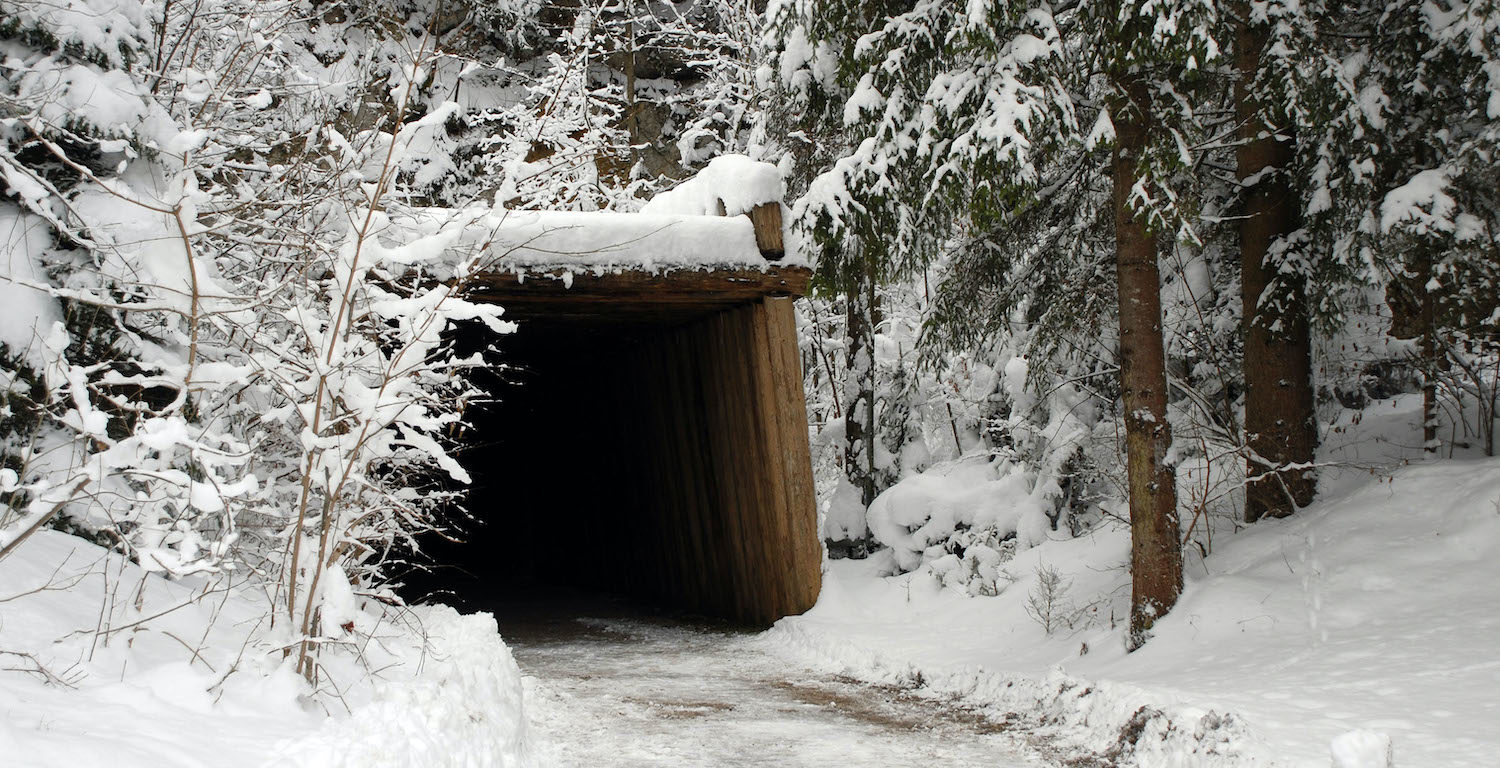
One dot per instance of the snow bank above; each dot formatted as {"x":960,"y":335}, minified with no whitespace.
{"x":913,"y":632}
{"x":730,"y":185}
{"x":107,"y":688}
{"x":1069,"y":719}
{"x":458,"y":706}
{"x":104,"y":664}
{"x":1371,"y":616}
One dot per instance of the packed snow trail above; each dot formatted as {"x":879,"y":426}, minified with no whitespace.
{"x":622,"y":692}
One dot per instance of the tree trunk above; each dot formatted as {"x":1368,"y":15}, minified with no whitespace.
{"x":859,"y":389}
{"x":1280,"y":424}
{"x":1433,"y":356}
{"x":1414,"y":315}
{"x":1156,"y":553}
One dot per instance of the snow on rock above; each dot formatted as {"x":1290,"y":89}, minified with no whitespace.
{"x":1363,"y":749}
{"x":730,"y":185}
{"x":107,"y":28}
{"x":108,"y":99}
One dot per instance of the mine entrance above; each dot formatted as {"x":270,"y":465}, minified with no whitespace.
{"x":647,"y":438}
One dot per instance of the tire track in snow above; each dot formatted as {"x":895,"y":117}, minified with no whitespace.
{"x":631,"y":693}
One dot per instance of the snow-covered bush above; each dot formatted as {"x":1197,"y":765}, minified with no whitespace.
{"x":239,"y":357}
{"x":963,"y":518}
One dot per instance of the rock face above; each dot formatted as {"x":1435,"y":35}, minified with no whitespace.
{"x":593,"y":99}
{"x":643,"y":62}
{"x":660,"y":154}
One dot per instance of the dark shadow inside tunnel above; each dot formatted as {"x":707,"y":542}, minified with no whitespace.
{"x":544,"y":500}
{"x":651,"y":451}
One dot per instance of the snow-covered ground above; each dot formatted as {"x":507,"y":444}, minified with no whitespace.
{"x":1372,"y":617}
{"x":631,"y":693}
{"x":102,"y":664}
{"x":1374,"y":614}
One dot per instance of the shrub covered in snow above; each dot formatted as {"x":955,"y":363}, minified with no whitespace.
{"x":105,"y":662}
{"x":251,"y":374}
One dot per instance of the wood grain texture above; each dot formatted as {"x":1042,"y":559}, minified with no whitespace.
{"x":766,"y":219}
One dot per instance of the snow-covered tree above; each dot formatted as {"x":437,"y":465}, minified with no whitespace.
{"x":1432,"y":74}
{"x":235,"y":358}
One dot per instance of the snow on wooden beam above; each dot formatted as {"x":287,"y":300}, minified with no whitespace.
{"x":731,"y":186}
{"x":662,"y":298}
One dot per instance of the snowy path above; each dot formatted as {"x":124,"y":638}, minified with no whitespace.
{"x":622,"y":693}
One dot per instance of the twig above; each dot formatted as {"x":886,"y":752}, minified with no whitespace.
{"x":43,"y":519}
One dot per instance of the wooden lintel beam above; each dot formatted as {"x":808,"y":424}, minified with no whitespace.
{"x":717,"y":286}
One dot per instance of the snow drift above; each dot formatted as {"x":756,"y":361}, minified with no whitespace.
{"x":104,"y":663}
{"x":1373,"y":612}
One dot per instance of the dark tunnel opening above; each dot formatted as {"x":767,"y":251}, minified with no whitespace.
{"x":645,"y":449}
{"x":539,"y":510}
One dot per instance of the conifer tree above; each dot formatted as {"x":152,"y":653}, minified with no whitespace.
{"x":964,"y":136}
{"x":1434,"y":78}
{"x":845,"y":224}
{"x":1148,"y":51}
{"x":1280,"y":424}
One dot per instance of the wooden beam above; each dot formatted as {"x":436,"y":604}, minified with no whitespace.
{"x":766,"y":218}
{"x":603,"y":318}
{"x":719,"y":286}
{"x":804,"y":552}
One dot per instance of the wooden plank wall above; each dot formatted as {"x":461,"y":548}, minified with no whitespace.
{"x":710,"y":430}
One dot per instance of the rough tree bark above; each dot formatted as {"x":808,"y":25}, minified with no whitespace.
{"x":1280,"y":425}
{"x":1156,"y":554}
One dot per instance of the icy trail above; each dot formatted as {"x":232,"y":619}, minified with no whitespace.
{"x":629,"y":692}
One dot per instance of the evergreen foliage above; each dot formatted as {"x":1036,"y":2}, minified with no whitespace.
{"x":952,"y":167}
